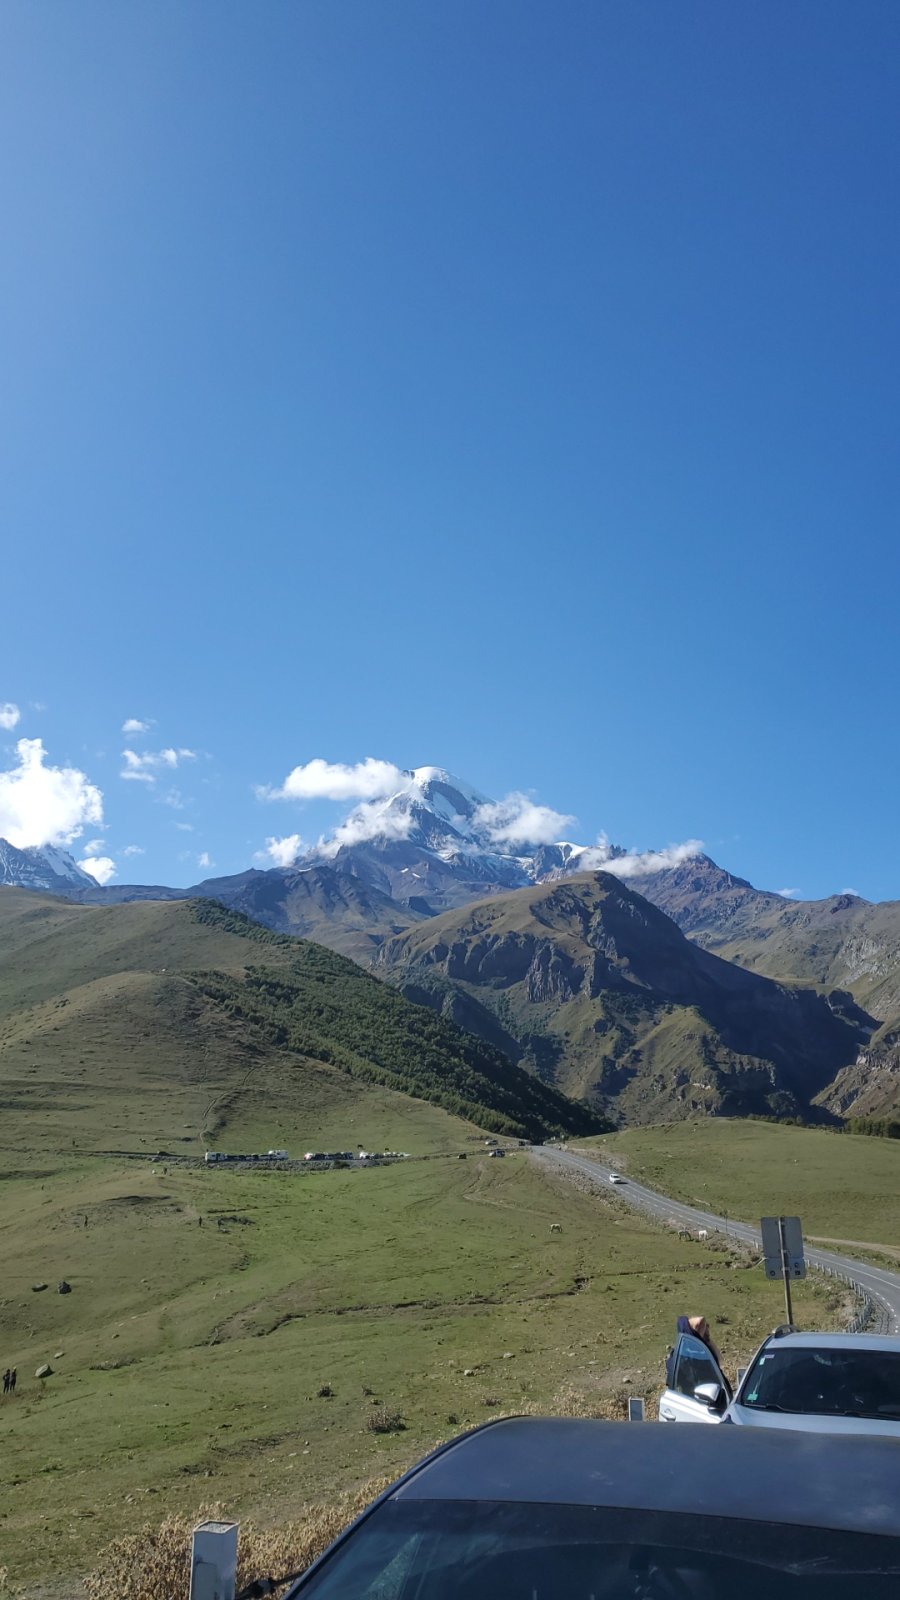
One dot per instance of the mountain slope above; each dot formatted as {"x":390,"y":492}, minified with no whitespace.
{"x":117,"y":1006}
{"x":842,"y":941}
{"x":597,"y":990}
{"x":49,"y":869}
{"x":314,"y":902}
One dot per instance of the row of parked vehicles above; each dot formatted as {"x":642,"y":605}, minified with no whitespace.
{"x":356,"y":1155}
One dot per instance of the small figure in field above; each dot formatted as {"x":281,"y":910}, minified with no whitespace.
{"x":12,"y":1381}
{"x":199,"y":1222}
{"x":6,"y":1378}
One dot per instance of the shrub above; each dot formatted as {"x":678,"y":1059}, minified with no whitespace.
{"x":385,"y":1421}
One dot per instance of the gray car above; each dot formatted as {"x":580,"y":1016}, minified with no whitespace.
{"x":818,"y":1382}
{"x":534,"y":1508}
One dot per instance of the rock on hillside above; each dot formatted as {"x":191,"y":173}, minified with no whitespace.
{"x":596,"y":990}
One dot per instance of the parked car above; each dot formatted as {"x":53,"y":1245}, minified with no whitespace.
{"x":817,"y":1382}
{"x":497,"y":1152}
{"x":559,"y":1508}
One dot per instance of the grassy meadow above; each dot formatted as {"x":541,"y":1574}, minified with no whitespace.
{"x":844,"y":1187}
{"x":188,"y":1359}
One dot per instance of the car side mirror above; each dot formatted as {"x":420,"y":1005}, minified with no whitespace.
{"x":712,"y":1395}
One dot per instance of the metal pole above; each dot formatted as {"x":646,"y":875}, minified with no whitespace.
{"x":786,"y":1273}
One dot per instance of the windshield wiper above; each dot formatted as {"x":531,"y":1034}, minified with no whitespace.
{"x":757,"y":1406}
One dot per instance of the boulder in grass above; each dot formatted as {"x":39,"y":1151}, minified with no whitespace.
{"x":44,"y":1371}
{"x":63,"y":1288}
{"x":37,"y":1287}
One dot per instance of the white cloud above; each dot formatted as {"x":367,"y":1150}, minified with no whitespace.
{"x":145,"y":768}
{"x":853,"y":892}
{"x":371,"y":820}
{"x":518,"y":820}
{"x":40,"y":804}
{"x":326,"y":780}
{"x":283,"y":852}
{"x":205,"y":860}
{"x":94,"y":847}
{"x":788,"y":894}
{"x":9,"y":715}
{"x":133,"y":850}
{"x":100,"y":867}
{"x":185,"y":827}
{"x":135,"y":725}
{"x":635,"y":863}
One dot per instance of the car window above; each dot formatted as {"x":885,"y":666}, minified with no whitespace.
{"x":829,"y":1382}
{"x":457,"y":1550}
{"x":694,"y":1364}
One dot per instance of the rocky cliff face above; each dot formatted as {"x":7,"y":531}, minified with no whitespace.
{"x":602,"y":994}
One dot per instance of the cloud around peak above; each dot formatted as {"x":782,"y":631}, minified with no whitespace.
{"x":281,"y":852}
{"x":518,"y":820}
{"x":103,"y":868}
{"x":336,"y":780}
{"x":42,"y":804}
{"x":637,"y":863}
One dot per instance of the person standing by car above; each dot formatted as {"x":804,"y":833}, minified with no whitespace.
{"x":699,"y":1327}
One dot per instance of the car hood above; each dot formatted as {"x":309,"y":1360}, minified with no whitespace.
{"x":807,"y":1422}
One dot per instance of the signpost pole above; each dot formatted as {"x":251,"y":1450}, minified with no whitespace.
{"x":786,"y":1273}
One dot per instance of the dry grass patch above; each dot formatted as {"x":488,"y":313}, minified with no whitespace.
{"x":155,"y":1563}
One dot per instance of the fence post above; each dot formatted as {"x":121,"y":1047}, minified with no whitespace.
{"x":214,"y":1561}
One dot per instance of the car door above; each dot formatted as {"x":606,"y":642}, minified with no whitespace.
{"x":690,"y":1365}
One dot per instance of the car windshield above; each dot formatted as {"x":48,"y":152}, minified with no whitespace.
{"x":831,"y":1382}
{"x":457,"y":1550}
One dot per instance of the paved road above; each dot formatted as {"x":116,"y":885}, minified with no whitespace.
{"x":882,"y":1288}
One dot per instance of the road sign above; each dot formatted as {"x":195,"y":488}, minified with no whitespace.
{"x":782,"y":1240}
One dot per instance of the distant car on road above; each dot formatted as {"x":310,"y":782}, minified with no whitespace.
{"x":557,"y":1508}
{"x":815,"y":1382}
{"x":496,"y":1152}
{"x":616,"y":1177}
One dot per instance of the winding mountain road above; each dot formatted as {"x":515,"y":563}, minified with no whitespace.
{"x":881,"y":1287}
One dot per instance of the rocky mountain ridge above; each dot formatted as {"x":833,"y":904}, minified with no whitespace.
{"x":596,"y":990}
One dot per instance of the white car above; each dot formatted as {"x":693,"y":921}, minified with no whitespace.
{"x":616,"y":1177}
{"x":818,"y":1382}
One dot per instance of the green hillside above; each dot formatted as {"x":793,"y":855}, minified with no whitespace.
{"x":845,"y":1188}
{"x":106,"y":1013}
{"x":597,"y":991}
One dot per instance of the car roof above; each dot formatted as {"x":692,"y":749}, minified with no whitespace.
{"x":769,"y":1475}
{"x":833,"y":1341}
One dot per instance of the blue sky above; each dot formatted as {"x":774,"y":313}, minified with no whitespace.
{"x":511,"y":387}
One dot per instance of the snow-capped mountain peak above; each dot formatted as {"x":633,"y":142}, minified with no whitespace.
{"x":42,"y":867}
